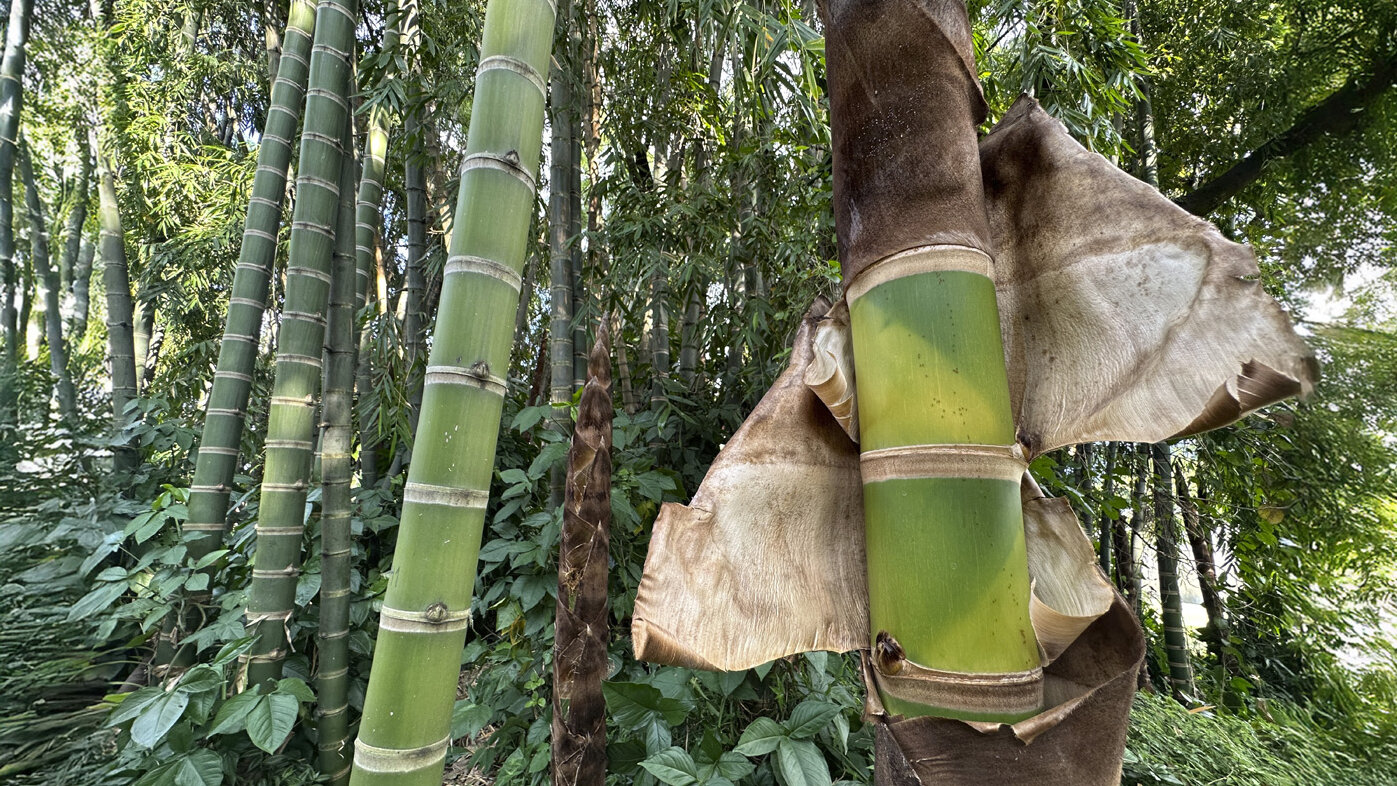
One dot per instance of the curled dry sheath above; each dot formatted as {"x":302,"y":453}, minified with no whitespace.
{"x":1122,"y":318}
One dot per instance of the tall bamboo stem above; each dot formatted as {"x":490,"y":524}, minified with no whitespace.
{"x":226,"y":412}
{"x":947,"y":563}
{"x":291,"y":423}
{"x":336,"y":507}
{"x":11,"y":102}
{"x":560,"y":289}
{"x":1167,"y":554}
{"x":53,"y":319}
{"x":404,"y":733}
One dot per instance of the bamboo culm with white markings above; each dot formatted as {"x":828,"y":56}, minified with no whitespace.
{"x":403,"y":736}
{"x":226,"y":412}
{"x":43,"y":270}
{"x":336,"y":505}
{"x":291,"y":421}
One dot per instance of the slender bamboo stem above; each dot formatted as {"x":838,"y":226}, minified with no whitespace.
{"x":336,"y":508}
{"x":11,"y":102}
{"x":291,"y":423}
{"x":226,"y":412}
{"x":369,"y":219}
{"x":1215,"y":636}
{"x":116,"y":280}
{"x":404,"y":733}
{"x":53,"y":319}
{"x":1105,"y":530}
{"x":560,"y":293}
{"x":1167,"y":554}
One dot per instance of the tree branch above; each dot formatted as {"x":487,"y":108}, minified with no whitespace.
{"x":1336,"y":115}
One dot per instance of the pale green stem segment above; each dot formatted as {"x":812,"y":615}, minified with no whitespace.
{"x":225,"y":415}
{"x":11,"y":98}
{"x":53,"y":318}
{"x":291,"y":423}
{"x":336,"y":471}
{"x":407,"y":712}
{"x":947,"y":566}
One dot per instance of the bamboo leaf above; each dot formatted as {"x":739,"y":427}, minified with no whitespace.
{"x":97,"y":599}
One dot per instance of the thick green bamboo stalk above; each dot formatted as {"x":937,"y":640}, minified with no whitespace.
{"x":291,"y":423}
{"x":947,"y":563}
{"x":53,"y":319}
{"x":336,"y":507}
{"x":232,"y":382}
{"x":404,"y":733}
{"x":1166,"y":532}
{"x":11,"y":101}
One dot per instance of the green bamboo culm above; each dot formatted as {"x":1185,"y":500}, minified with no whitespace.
{"x":11,"y":100}
{"x":948,"y":576}
{"x":291,"y":423}
{"x":1166,"y":529}
{"x":367,"y":223}
{"x":44,"y":271}
{"x":403,"y":736}
{"x":224,"y":417}
{"x":336,"y":507}
{"x":930,"y":376}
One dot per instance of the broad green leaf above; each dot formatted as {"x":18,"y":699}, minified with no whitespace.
{"x":295,"y":687}
{"x":201,"y":678}
{"x":95,"y":601}
{"x":132,"y":704}
{"x":809,"y":717}
{"x":231,"y":718}
{"x":733,"y":766}
{"x":468,"y":719}
{"x":635,"y":704}
{"x":762,"y":736}
{"x":800,"y":763}
{"x":271,"y":719}
{"x":672,"y":766}
{"x":157,"y":718}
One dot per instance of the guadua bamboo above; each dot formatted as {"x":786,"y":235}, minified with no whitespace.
{"x":291,"y":423}
{"x":336,"y":507}
{"x":948,"y":584}
{"x":403,"y":736}
{"x":224,"y":416}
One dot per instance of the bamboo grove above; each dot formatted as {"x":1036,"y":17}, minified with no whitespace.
{"x":352,"y":347}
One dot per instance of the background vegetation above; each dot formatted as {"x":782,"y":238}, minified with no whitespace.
{"x":700,"y":229}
